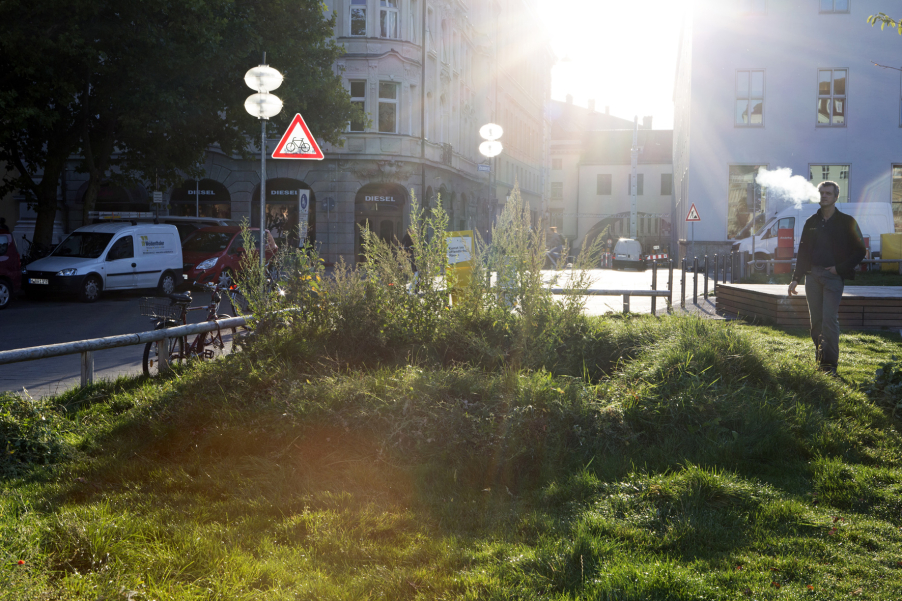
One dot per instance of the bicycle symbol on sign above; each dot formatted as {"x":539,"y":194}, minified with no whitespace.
{"x":295,"y":146}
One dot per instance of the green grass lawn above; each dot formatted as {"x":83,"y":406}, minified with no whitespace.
{"x":707,"y":461}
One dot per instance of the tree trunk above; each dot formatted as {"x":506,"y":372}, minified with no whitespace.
{"x":47,"y":206}
{"x":98,"y":149}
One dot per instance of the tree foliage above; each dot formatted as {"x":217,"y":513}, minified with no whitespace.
{"x":885,"y":20}
{"x":140,"y":89}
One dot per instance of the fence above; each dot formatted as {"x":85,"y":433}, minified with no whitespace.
{"x":87,"y":348}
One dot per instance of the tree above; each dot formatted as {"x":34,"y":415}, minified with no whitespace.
{"x":885,"y":20}
{"x":142,"y":89}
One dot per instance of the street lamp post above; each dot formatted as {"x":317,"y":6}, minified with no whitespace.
{"x":263,"y":105}
{"x":491,"y":148}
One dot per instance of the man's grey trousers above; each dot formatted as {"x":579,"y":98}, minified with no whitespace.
{"x":824,"y":291}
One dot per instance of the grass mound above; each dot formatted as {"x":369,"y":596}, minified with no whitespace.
{"x":689,"y":460}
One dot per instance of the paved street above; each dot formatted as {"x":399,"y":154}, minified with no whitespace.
{"x":35,"y":323}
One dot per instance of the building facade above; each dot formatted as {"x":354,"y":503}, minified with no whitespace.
{"x":591,"y":169}
{"x":788,"y":84}
{"x":428,"y":74}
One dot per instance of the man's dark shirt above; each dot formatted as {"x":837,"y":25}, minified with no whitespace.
{"x":822,"y":248}
{"x":844,"y":241}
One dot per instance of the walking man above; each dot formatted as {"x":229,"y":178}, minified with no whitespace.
{"x":830,"y":248}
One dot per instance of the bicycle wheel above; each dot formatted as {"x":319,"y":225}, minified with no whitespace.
{"x":217,"y":343}
{"x":175,"y":351}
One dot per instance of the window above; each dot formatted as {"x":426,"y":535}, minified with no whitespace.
{"x":833,"y":173}
{"x":557,"y":190}
{"x":556,"y":219}
{"x":750,"y":98}
{"x":388,"y":108}
{"x":603,"y":184}
{"x":123,"y":248}
{"x":358,"y":17}
{"x":897,"y":196}
{"x":752,"y":7}
{"x":358,"y":99}
{"x":666,"y":184}
{"x":739,"y":216}
{"x":556,"y":164}
{"x":388,"y":19}
{"x":640,"y":181}
{"x":414,"y":23}
{"x":831,"y":97}
{"x":834,"y":6}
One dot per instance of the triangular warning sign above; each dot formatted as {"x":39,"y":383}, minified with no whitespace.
{"x":298,"y":142}
{"x":693,"y":214}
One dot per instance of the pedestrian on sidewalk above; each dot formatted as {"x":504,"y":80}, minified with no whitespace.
{"x":830,"y":249}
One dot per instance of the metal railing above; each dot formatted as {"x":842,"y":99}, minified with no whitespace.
{"x":771,"y":262}
{"x":654,"y":293}
{"x":87,"y":348}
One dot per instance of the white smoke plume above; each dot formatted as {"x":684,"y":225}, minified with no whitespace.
{"x":784,"y":188}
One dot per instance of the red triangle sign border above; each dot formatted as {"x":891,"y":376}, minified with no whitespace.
{"x":314,"y":153}
{"x":693,"y":214}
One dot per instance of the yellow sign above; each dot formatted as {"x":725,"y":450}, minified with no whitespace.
{"x":459,"y":246}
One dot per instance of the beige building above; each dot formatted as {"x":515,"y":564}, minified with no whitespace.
{"x":428,"y":74}
{"x":590,"y":176}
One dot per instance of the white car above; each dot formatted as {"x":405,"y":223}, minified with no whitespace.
{"x":109,"y":256}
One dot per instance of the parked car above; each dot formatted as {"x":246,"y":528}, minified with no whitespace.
{"x":211,"y":253}
{"x":628,"y":253}
{"x":10,"y":270}
{"x":185,"y":225}
{"x":109,"y":256}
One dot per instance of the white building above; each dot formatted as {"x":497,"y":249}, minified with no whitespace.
{"x":783,"y":83}
{"x":590,"y":176}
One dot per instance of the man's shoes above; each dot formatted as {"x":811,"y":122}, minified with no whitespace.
{"x":830,"y":370}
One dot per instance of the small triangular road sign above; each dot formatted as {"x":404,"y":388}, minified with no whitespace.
{"x":298,"y":142}
{"x":693,"y":214}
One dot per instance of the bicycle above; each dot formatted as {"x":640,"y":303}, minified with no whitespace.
{"x":293,"y":146}
{"x":33,"y":251}
{"x":205,"y":346}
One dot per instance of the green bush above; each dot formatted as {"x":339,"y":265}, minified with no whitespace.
{"x":31,"y":433}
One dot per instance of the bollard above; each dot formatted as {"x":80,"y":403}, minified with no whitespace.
{"x":706,"y":276}
{"x":683,"y":285}
{"x":87,"y":368}
{"x":654,"y":284}
{"x":670,"y":285}
{"x":695,"y":281}
{"x":626,"y":303}
{"x":715,"y":273}
{"x":163,"y":354}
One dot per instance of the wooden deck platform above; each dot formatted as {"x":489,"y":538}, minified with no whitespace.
{"x":861,"y":308}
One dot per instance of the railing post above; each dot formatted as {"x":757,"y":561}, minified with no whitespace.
{"x":87,"y":368}
{"x":163,"y":354}
{"x":683,"y":285}
{"x":706,"y":277}
{"x":626,"y":303}
{"x":670,"y":285}
{"x":695,"y":280}
{"x":654,"y":284}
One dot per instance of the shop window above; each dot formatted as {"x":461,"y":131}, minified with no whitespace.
{"x":897,"y":196}
{"x":832,"y":173}
{"x":739,"y":215}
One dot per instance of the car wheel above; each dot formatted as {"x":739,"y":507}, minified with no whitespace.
{"x":90,"y":289}
{"x":166,"y":285}
{"x":6,"y":294}
{"x":226,"y":278}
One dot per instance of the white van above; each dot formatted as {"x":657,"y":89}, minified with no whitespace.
{"x":628,"y":253}
{"x":109,"y":256}
{"x":874,"y":218}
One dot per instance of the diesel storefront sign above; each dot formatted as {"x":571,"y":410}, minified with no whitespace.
{"x":204,"y":198}
{"x":380,"y":199}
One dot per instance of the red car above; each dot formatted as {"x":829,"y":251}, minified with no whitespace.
{"x":10,"y":269}
{"x":211,"y":252}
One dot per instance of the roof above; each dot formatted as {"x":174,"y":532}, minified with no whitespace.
{"x":112,"y":228}
{"x":613,"y":147}
{"x":569,"y":120}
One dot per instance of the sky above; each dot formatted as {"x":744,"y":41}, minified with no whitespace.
{"x":622,"y":53}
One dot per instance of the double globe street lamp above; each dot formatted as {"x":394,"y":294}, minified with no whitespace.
{"x":263,"y":105}
{"x":491,"y":132}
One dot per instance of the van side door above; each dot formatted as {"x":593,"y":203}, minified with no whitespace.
{"x":119,"y":265}
{"x":155,"y":254}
